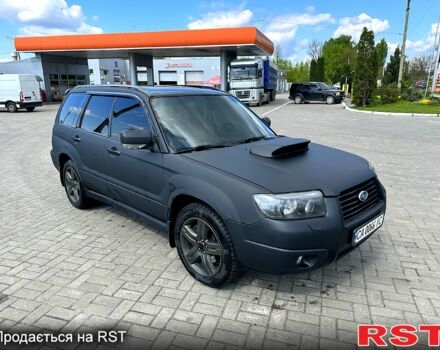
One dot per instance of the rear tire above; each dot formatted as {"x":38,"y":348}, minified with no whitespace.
{"x":205,"y":246}
{"x":30,"y":109}
{"x":298,"y":99}
{"x":75,"y":191}
{"x":330,"y":100}
{"x":11,"y":107}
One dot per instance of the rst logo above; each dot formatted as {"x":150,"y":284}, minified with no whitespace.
{"x":403,"y":335}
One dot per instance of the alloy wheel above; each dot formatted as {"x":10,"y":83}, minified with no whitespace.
{"x":201,"y":246}
{"x":73,"y":187}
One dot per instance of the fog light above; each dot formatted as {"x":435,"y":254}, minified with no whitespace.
{"x":300,"y":260}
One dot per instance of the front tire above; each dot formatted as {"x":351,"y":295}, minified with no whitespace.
{"x":205,"y":246}
{"x":11,"y":107}
{"x":330,"y":100}
{"x":74,"y":188}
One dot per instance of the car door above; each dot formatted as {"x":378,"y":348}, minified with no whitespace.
{"x":315,"y":92}
{"x":305,"y":91}
{"x":90,"y":140}
{"x":135,"y":176}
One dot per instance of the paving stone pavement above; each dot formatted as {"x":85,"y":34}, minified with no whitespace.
{"x":76,"y":271}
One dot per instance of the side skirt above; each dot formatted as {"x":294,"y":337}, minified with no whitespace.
{"x":149,"y":220}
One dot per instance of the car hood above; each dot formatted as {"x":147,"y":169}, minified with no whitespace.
{"x":316,"y":168}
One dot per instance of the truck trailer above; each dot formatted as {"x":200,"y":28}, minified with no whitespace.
{"x":253,"y":81}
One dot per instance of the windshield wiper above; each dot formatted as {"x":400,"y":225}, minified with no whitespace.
{"x":249,"y":139}
{"x":200,"y":148}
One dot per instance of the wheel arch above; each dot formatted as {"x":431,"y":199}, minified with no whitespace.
{"x":62,"y":159}
{"x":178,"y":202}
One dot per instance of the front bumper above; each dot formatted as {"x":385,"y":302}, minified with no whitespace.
{"x":275,"y":246}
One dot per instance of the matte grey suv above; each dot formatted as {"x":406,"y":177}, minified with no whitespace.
{"x":229,"y":191}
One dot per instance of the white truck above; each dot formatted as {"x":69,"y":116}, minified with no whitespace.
{"x":253,"y":81}
{"x":19,"y":91}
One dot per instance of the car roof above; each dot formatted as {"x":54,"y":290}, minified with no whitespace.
{"x":157,"y":90}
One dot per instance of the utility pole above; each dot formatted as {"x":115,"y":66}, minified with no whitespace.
{"x":436,"y":61}
{"x":431,"y":61}
{"x":402,"y":57}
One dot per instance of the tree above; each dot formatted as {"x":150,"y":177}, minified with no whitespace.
{"x":315,"y":49}
{"x":320,"y":69}
{"x":298,"y":72}
{"x":381,"y":53}
{"x":340,"y":58}
{"x":391,"y":74}
{"x":313,"y":75}
{"x":418,"y":68}
{"x":365,"y":74}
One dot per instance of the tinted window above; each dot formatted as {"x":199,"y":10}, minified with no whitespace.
{"x":128,"y":114}
{"x":305,"y":88}
{"x":71,"y":108}
{"x":97,"y":114}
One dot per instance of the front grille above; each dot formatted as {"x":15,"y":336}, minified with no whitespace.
{"x":350,"y":203}
{"x":243,"y":93}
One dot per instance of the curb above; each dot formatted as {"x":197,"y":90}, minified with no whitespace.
{"x":389,"y":113}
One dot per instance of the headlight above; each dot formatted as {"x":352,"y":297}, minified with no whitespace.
{"x":291,"y":205}
{"x":371,"y":166}
{"x":338,"y":93}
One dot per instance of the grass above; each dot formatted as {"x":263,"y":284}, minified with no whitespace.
{"x":402,"y":107}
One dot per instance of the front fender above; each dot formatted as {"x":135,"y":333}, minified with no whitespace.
{"x":205,"y":192}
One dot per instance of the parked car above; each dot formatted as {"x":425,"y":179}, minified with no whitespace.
{"x":315,"y":91}
{"x":19,"y":91}
{"x":229,"y":191}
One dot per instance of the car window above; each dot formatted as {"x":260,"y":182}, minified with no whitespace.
{"x":71,"y":108}
{"x":96,"y":117}
{"x":305,"y":88}
{"x":314,"y":87}
{"x":128,"y":113}
{"x":192,"y":121}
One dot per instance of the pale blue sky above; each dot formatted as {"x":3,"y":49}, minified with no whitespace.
{"x":290,"y":23}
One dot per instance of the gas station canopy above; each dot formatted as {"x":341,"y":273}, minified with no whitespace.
{"x":244,"y":41}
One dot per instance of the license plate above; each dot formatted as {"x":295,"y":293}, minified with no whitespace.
{"x":363,"y":232}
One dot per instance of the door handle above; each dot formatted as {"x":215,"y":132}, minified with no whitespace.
{"x":76,"y":138}
{"x":113,"y":151}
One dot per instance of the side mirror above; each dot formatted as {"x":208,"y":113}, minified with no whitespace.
{"x":266,"y":120}
{"x":136,"y":139}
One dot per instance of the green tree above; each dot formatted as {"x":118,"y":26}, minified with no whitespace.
{"x":365,"y":73}
{"x":340,"y":58}
{"x":320,"y":69}
{"x":392,"y":70}
{"x":313,"y":76}
{"x":381,"y":53}
{"x":298,"y":72}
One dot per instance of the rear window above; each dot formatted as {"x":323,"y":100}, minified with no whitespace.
{"x":71,"y":108}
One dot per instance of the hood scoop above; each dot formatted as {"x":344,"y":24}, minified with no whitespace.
{"x":280,"y":147}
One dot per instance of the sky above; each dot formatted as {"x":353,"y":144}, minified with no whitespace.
{"x":291,"y":24}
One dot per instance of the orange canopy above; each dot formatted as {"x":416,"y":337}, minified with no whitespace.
{"x":203,"y":42}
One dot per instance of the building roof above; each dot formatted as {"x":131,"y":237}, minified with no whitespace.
{"x":248,"y":41}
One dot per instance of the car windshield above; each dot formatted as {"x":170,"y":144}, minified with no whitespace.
{"x":243,"y":72}
{"x":199,"y":122}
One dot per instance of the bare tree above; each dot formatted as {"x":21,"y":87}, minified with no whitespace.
{"x":315,"y":49}
{"x":418,"y":68}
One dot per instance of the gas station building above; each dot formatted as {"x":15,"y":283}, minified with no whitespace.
{"x":64,"y":58}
